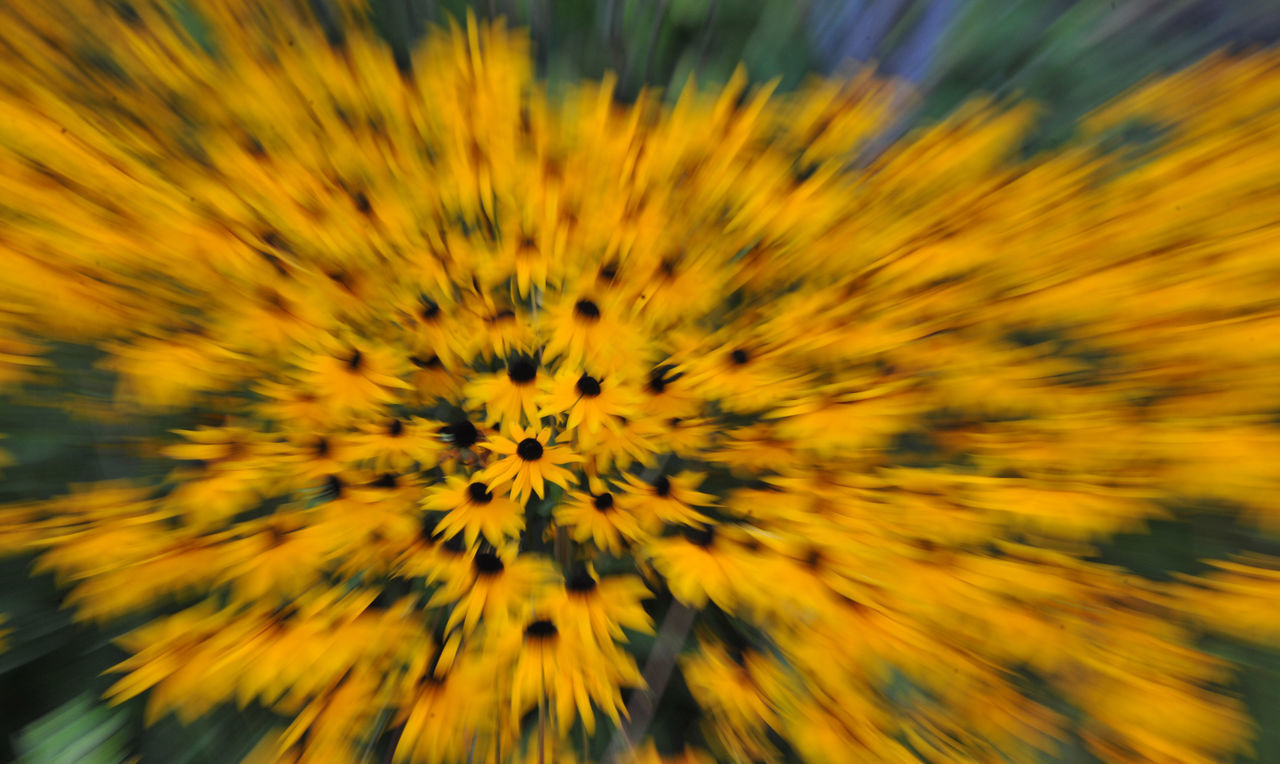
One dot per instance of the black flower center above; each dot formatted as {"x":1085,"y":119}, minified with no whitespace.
{"x":588,"y":386}
{"x":662,"y":486}
{"x":333,"y":487}
{"x":488,"y":564}
{"x":739,"y":357}
{"x":586,"y":310}
{"x":426,"y":363}
{"x":322,"y":447}
{"x":529,"y":449}
{"x":430,"y":310}
{"x":700,"y":536}
{"x":540,"y":629}
{"x":385,"y":480}
{"x":674,"y":421}
{"x":609,"y":272}
{"x":462,"y":433}
{"x":355,"y":361}
{"x":581,"y":581}
{"x":603,"y":501}
{"x":522,"y":371}
{"x":659,"y":379}
{"x":479,"y":493}
{"x":395,"y":428}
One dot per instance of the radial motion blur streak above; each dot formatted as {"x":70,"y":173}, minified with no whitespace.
{"x":426,"y":412}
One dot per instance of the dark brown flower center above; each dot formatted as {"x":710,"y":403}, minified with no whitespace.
{"x":529,"y":449}
{"x":660,"y":377}
{"x":580,"y":582}
{"x":488,"y":564}
{"x":662,"y":486}
{"x":522,"y":371}
{"x":479,"y":493}
{"x":395,"y":428}
{"x":739,"y":357}
{"x":540,"y":629}
{"x":603,"y":501}
{"x":586,"y":310}
{"x":588,"y":386}
{"x":700,"y":536}
{"x":355,"y":361}
{"x":462,"y":433}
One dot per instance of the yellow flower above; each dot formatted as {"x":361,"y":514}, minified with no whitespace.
{"x":597,"y":518}
{"x":592,"y":403}
{"x":509,"y":399}
{"x":572,"y":673}
{"x":498,"y":588}
{"x":666,"y":499}
{"x":473,"y":510}
{"x":528,"y":463}
{"x":357,"y":379}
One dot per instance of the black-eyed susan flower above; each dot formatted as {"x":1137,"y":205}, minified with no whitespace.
{"x":474,"y":510}
{"x":591,"y":403}
{"x":397,"y":444}
{"x":602,"y":608}
{"x":573,"y":674}
{"x":509,"y":399}
{"x":527,"y":462}
{"x":597,"y":518}
{"x":498,"y":588}
{"x":354,"y":378}
{"x":666,"y":499}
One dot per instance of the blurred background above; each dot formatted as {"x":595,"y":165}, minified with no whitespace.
{"x":1067,"y":56}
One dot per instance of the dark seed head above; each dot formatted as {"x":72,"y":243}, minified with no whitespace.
{"x":479,"y":493}
{"x":429,"y":310}
{"x":462,"y":433}
{"x":700,"y":536}
{"x":426,"y":363}
{"x":581,"y":581}
{"x":522,"y":371}
{"x":674,"y":421}
{"x":361,"y":201}
{"x":385,"y":480}
{"x":609,"y":272}
{"x":254,"y":147}
{"x":395,"y":428}
{"x":128,"y":14}
{"x":540,"y":629}
{"x":662,"y":486}
{"x":529,"y":449}
{"x":333,"y":487}
{"x":739,"y":357}
{"x":322,"y":447}
{"x":603,"y":501}
{"x":586,"y":309}
{"x":455,"y":545}
{"x":660,"y":377}
{"x":355,"y":361}
{"x":488,"y":564}
{"x":588,"y":386}
{"x":814,"y":558}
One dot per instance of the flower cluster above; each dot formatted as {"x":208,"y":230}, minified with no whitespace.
{"x":474,"y":384}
